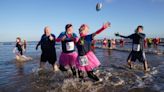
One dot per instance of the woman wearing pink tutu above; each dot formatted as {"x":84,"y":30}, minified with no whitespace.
{"x":87,"y":61}
{"x":69,"y":55}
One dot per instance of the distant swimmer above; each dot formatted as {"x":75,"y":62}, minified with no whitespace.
{"x":87,"y":61}
{"x":137,"y":47}
{"x":47,"y":43}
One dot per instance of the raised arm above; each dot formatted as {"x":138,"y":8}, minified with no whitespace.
{"x":124,"y":36}
{"x":105,"y":26}
{"x":117,"y":34}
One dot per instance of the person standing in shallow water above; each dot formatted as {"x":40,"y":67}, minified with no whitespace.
{"x":47,"y":43}
{"x":137,"y":47}
{"x":68,"y":55}
{"x":19,"y":47}
{"x":86,"y":60}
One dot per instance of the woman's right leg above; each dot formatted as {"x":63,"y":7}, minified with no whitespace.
{"x":73,"y":69}
{"x":92,"y":76}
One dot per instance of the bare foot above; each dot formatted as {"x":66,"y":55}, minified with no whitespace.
{"x":55,"y":68}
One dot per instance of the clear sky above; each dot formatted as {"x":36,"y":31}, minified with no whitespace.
{"x":27,"y":18}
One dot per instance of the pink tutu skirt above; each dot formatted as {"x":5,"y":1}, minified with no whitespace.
{"x":93,"y":62}
{"x":68,"y":59}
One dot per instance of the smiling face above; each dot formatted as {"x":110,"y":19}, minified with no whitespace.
{"x":69,"y":30}
{"x":47,"y":31}
{"x":140,"y":30}
{"x":83,"y":30}
{"x":18,"y":40}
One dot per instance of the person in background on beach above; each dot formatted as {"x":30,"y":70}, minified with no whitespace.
{"x":149,"y":42}
{"x":113,"y":41}
{"x":145,"y":43}
{"x":156,"y":42}
{"x":48,"y":49}
{"x":122,"y":42}
{"x":137,"y":47}
{"x":109,"y":43}
{"x":93,"y":45}
{"x":105,"y":42}
{"x":19,"y":47}
{"x":69,"y":55}
{"x":87,"y":61}
{"x":24,"y":45}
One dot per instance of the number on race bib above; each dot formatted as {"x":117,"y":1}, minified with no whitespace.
{"x":136,"y":47}
{"x":70,"y":46}
{"x":83,"y":60}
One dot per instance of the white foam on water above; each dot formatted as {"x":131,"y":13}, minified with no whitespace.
{"x":140,"y":82}
{"x":154,"y":71}
{"x":156,"y":87}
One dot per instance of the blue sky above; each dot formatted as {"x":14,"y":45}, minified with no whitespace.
{"x":27,"y":18}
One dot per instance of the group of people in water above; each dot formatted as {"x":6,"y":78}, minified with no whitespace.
{"x":84,"y":60}
{"x":148,"y":42}
{"x":112,"y":43}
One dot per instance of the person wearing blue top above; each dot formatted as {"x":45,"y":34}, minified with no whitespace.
{"x":69,"y":55}
{"x":87,"y":61}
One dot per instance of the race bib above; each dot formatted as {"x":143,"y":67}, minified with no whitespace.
{"x":70,"y":46}
{"x":83,"y":60}
{"x":136,"y":47}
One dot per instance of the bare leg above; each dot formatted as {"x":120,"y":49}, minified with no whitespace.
{"x":146,"y":66}
{"x":130,"y":64}
{"x":55,"y":67}
{"x":42,"y":65}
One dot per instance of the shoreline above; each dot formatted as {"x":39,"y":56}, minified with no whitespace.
{"x":156,"y":52}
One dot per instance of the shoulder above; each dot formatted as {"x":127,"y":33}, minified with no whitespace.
{"x":89,"y":37}
{"x":74,"y":35}
{"x":62,"y":33}
{"x":143,"y":34}
{"x":53,"y":35}
{"x":43,"y":35}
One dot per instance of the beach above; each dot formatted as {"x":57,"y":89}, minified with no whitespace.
{"x":117,"y":77}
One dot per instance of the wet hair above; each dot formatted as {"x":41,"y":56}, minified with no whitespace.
{"x":68,"y":26}
{"x":140,"y":26}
